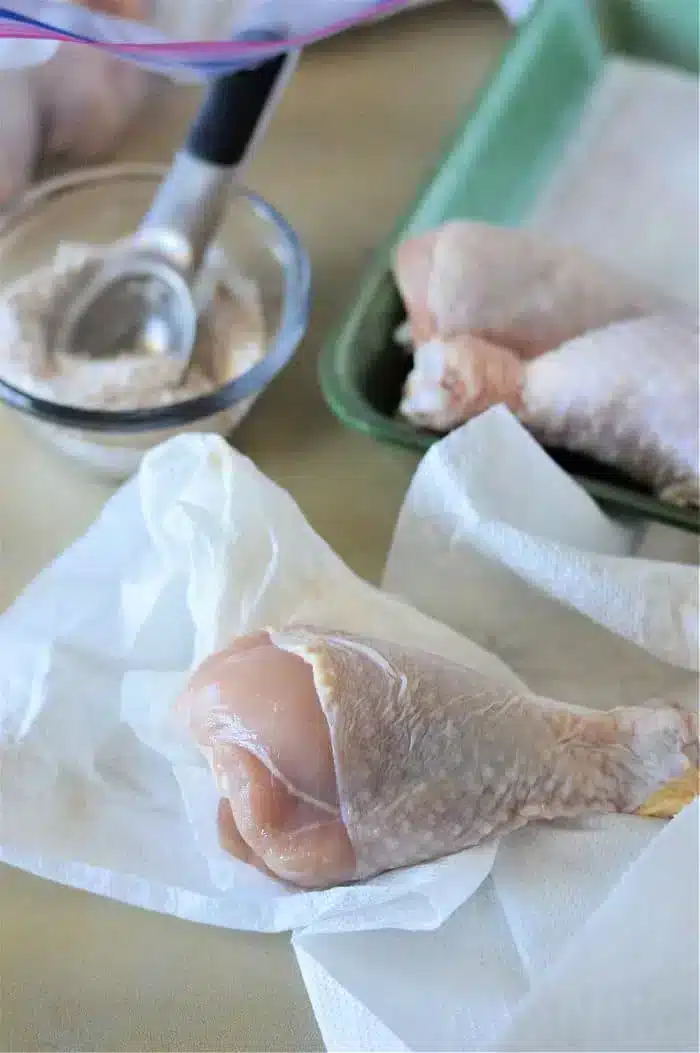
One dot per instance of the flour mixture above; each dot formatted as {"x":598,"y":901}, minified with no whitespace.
{"x":230,"y":341}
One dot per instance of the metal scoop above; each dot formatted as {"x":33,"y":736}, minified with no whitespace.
{"x":142,"y":299}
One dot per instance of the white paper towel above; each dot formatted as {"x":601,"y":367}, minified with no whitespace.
{"x":97,"y":786}
{"x":641,"y":118}
{"x":201,"y":546}
{"x":499,"y":543}
{"x":629,"y":980}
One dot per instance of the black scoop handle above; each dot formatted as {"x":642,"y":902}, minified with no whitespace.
{"x":232,"y":113}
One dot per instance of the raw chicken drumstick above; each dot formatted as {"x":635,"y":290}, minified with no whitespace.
{"x":338,"y":757}
{"x":626,"y":395}
{"x":511,"y":287}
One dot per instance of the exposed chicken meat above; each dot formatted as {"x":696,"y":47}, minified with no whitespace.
{"x":453,"y":381}
{"x":338,"y":757}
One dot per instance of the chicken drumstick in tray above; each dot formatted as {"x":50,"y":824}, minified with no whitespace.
{"x":586,"y":135}
{"x":589,"y":360}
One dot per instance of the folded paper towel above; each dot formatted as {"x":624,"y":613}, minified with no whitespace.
{"x":628,"y":979}
{"x":109,"y":797}
{"x":201,"y":546}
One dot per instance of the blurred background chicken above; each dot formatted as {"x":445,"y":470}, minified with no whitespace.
{"x":76,"y":106}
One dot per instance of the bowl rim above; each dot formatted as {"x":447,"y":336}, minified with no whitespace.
{"x":292,"y":327}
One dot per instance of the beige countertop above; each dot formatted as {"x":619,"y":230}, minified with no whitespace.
{"x":360,"y":127}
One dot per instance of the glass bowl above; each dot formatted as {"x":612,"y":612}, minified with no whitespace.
{"x":101,"y":205}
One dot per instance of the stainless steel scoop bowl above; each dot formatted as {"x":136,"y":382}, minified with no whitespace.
{"x":149,"y":310}
{"x":142,"y":300}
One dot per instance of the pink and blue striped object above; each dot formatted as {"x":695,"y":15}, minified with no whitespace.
{"x":227,"y":29}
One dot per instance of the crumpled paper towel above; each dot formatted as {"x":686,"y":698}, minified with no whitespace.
{"x":98,"y":787}
{"x":507,"y":549}
{"x":496,"y":542}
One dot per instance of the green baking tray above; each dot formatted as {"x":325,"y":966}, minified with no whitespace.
{"x":511,"y":142}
